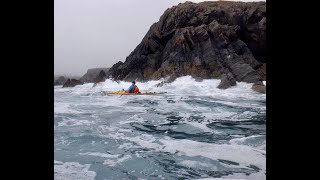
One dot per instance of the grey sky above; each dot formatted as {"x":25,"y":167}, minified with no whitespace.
{"x":99,"y":33}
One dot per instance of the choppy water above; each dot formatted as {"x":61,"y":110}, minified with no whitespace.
{"x":194,"y":131}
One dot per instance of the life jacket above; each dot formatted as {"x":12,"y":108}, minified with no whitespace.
{"x":136,"y":89}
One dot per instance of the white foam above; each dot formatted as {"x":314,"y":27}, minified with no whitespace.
{"x":244,"y":155}
{"x":126,"y":146}
{"x":144,"y":140}
{"x":261,"y":147}
{"x":242,"y":140}
{"x":105,"y":128}
{"x":200,"y":126}
{"x":67,"y":100}
{"x":134,"y":118}
{"x":237,"y":153}
{"x":64,"y":108}
{"x":75,"y":122}
{"x":253,"y":176}
{"x":182,"y":86}
{"x":98,"y":154}
{"x":57,"y":162}
{"x":196,"y":164}
{"x":63,"y":141}
{"x":113,"y":162}
{"x":72,"y":170}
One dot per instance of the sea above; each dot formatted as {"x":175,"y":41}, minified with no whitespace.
{"x":192,"y":131}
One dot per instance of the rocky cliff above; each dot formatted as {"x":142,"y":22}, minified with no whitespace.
{"x":60,"y":81}
{"x":224,"y":40}
{"x":93,"y":74}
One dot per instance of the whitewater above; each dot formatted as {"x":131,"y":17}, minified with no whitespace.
{"x":193,"y":131}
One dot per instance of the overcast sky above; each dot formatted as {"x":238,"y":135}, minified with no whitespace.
{"x":99,"y":33}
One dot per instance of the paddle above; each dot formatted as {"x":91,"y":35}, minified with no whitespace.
{"x":124,"y":92}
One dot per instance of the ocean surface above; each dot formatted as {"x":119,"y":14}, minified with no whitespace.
{"x":193,"y":131}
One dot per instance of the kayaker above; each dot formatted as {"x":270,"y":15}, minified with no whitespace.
{"x":133,"y":88}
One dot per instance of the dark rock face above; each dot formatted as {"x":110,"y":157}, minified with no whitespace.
{"x":227,"y":81}
{"x":101,"y":77}
{"x":60,"y":81}
{"x":221,"y":39}
{"x":93,"y":75}
{"x":72,"y":83}
{"x":263,"y":71}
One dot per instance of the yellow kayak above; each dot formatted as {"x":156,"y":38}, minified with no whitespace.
{"x":126,"y":93}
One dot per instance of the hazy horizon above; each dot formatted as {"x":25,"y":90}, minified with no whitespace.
{"x":98,"y":33}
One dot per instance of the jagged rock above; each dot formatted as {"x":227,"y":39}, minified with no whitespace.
{"x":101,"y":77}
{"x":227,"y":81}
{"x":72,"y":83}
{"x":60,"y":81}
{"x":92,"y":75}
{"x":203,"y":40}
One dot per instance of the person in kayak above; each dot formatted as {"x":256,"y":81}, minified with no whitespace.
{"x":133,"y":88}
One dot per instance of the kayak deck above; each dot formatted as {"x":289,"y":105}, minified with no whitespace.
{"x":126,"y":93}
